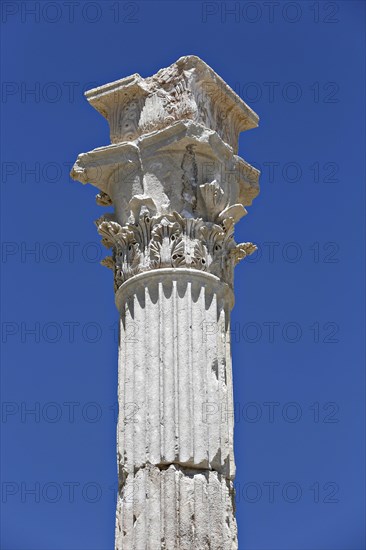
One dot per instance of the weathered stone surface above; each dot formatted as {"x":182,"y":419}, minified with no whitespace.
{"x":176,"y":508}
{"x":169,"y":167}
{"x":187,"y":90}
{"x":175,"y":386}
{"x":177,"y":188}
{"x":177,"y":192}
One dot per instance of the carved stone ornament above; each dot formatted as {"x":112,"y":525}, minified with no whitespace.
{"x":172,"y":161}
{"x":187,"y":90}
{"x":171,"y":241}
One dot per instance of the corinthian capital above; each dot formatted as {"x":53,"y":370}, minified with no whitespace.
{"x":171,"y":173}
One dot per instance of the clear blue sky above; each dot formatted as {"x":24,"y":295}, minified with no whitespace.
{"x":298,"y":346}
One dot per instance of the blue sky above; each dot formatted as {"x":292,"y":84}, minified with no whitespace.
{"x":298,"y":322}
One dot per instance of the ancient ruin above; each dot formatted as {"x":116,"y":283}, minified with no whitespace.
{"x":178,"y":188}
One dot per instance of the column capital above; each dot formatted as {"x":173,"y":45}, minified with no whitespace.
{"x":171,"y":173}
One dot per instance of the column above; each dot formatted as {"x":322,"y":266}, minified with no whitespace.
{"x":177,"y":188}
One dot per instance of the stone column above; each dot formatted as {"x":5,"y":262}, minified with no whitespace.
{"x":177,"y":188}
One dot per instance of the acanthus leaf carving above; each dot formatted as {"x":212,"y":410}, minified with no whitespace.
{"x":165,"y":239}
{"x":172,"y":240}
{"x":109,"y":262}
{"x":128,"y":258}
{"x":199,"y":256}
{"x":108,"y":231}
{"x":213,"y":235}
{"x":201,"y":236}
{"x":235,"y":212}
{"x":142,"y":231}
{"x":242,"y":250}
{"x":211,"y":200}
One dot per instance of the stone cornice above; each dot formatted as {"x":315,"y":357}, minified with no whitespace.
{"x":187,"y":90}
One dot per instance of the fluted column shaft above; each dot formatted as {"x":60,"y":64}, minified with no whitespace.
{"x":175,"y":427}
